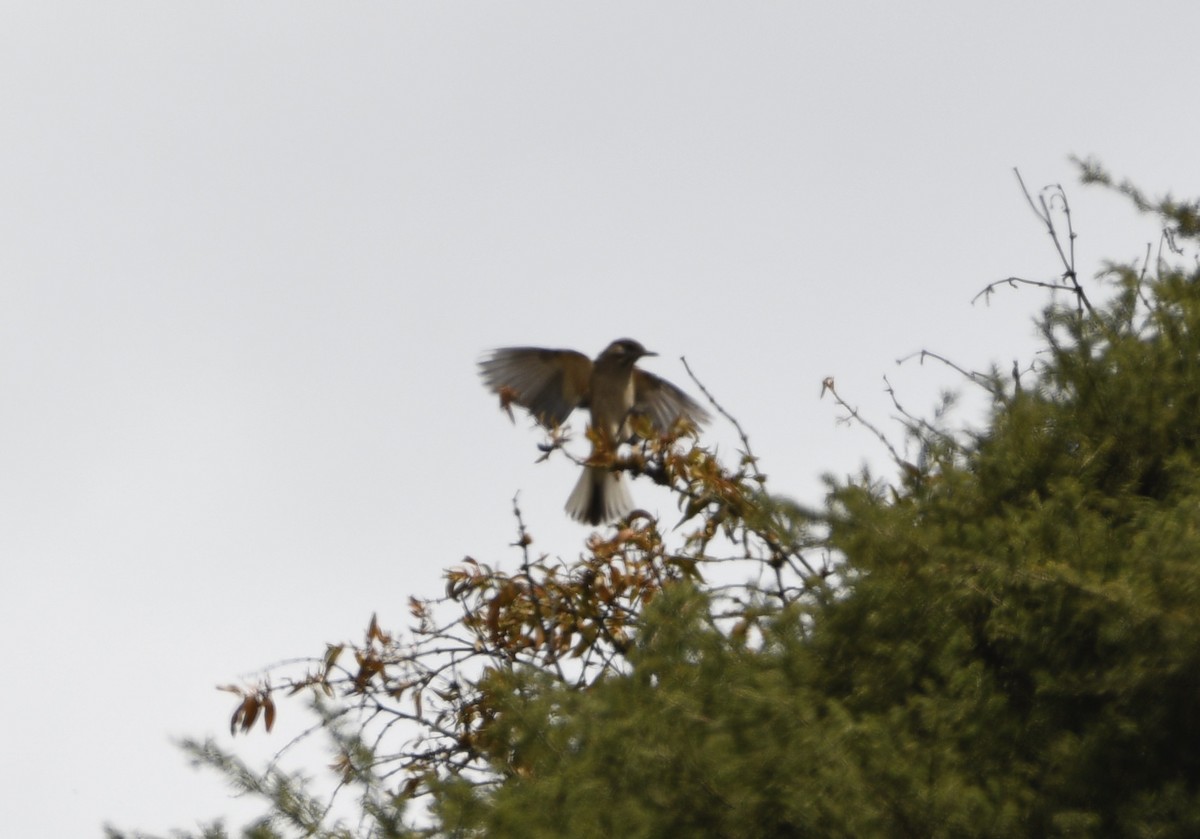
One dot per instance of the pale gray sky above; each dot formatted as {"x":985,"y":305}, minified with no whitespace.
{"x":250,"y":253}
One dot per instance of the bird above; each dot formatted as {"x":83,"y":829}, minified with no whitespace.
{"x":552,"y":383}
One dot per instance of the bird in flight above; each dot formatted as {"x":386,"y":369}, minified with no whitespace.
{"x":553,"y":383}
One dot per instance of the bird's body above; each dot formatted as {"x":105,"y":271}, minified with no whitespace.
{"x":552,"y":383}
{"x":611,"y":395}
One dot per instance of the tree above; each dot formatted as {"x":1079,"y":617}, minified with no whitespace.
{"x":1005,"y":641}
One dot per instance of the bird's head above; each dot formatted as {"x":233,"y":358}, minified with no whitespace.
{"x":625,"y":350}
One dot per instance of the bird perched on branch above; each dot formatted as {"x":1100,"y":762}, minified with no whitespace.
{"x":553,"y":383}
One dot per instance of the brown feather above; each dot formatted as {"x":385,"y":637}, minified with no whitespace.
{"x":549,"y":383}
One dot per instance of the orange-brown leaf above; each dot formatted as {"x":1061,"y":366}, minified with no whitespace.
{"x":409,"y":788}
{"x":416,"y":607}
{"x":332,"y":651}
{"x":244,"y":715}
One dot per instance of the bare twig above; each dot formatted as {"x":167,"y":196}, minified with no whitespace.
{"x":1043,"y":210}
{"x":977,"y":378}
{"x":1142,"y":279}
{"x":1013,"y":282}
{"x":912,"y":420}
{"x":523,"y":542}
{"x":828,"y":385}
{"x":758,"y":476}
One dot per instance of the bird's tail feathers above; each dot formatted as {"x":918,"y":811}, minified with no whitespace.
{"x":600,"y":496}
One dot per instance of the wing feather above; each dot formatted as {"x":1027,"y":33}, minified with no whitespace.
{"x":549,"y":383}
{"x":664,"y":403}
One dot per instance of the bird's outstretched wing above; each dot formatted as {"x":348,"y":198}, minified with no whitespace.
{"x":550,"y":383}
{"x":664,"y":403}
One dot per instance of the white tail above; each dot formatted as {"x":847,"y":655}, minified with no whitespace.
{"x":599,"y":496}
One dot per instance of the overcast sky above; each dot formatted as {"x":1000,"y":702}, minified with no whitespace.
{"x":251,"y":252}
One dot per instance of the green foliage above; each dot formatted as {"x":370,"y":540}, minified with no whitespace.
{"x":659,"y":751}
{"x":1009,"y":644}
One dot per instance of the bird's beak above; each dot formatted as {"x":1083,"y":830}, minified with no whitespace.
{"x":647,"y":352}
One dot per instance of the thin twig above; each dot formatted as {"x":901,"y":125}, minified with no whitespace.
{"x":523,"y":541}
{"x":911,"y":419}
{"x":828,"y":385}
{"x":1141,"y":280}
{"x":776,"y":547}
{"x":1042,"y":209}
{"x":977,"y":378}
{"x":758,"y":476}
{"x":1013,"y":282}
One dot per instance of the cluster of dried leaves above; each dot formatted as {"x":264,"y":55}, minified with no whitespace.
{"x":422,"y":700}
